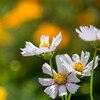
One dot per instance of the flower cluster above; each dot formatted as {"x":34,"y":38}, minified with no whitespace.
{"x":66,"y":78}
{"x":61,"y":81}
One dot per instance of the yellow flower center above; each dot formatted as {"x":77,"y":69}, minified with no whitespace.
{"x":79,"y":67}
{"x":60,"y":78}
{"x":44,"y":44}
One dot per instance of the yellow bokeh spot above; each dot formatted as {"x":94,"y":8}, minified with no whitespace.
{"x":1,"y":26}
{"x":85,"y":88}
{"x":15,"y":65}
{"x":3,"y":94}
{"x":86,"y":18}
{"x":23,"y":11}
{"x":60,"y":78}
{"x":6,"y":39}
{"x":52,"y":30}
{"x":79,"y":67}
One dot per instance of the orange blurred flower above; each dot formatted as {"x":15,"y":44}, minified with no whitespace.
{"x":52,"y":30}
{"x":3,"y":93}
{"x":86,"y":18}
{"x":97,"y":2}
{"x":5,"y":38}
{"x":24,"y":10}
{"x":1,"y":26}
{"x":35,"y":0}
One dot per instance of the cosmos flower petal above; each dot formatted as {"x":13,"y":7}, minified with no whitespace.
{"x":52,"y":91}
{"x":68,"y":68}
{"x":98,"y":35}
{"x":76,"y":58}
{"x":30,"y":50}
{"x":89,"y":65}
{"x":78,"y":73}
{"x":67,"y":59}
{"x":86,"y":72}
{"x":44,"y":38}
{"x":62,"y":90}
{"x":46,"y":81}
{"x":85,"y":57}
{"x":72,"y":88}
{"x":59,"y":64}
{"x":88,"y":33}
{"x":72,"y":78}
{"x":96,"y":61}
{"x":47,"y":69}
{"x":60,"y":67}
{"x":56,"y":41}
{"x":44,"y":49}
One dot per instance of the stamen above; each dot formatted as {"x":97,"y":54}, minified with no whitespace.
{"x":60,"y":78}
{"x":79,"y":67}
{"x":44,"y":44}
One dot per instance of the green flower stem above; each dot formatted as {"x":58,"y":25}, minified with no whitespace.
{"x":62,"y":97}
{"x":91,"y":78}
{"x":65,"y":97}
{"x":51,"y":67}
{"x":69,"y":97}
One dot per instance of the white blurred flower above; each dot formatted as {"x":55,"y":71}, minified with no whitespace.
{"x":44,"y":47}
{"x":62,"y":80}
{"x":79,"y":65}
{"x":89,"y":33}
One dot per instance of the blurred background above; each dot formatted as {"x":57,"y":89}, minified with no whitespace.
{"x":27,"y":20}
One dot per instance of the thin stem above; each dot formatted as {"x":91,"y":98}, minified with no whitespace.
{"x":62,"y":97}
{"x":92,"y":72}
{"x":65,"y":97}
{"x":51,"y":67}
{"x":69,"y":97}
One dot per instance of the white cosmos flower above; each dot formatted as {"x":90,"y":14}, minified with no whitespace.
{"x":89,"y":33}
{"x":44,"y":47}
{"x":61,"y":82}
{"x":79,"y":65}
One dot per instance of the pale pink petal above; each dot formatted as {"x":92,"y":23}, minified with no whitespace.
{"x":44,"y":49}
{"x":46,"y":81}
{"x":86,"y":72}
{"x":72,"y":78}
{"x":62,"y":90}
{"x":52,"y":91}
{"x":88,"y":33}
{"x":67,"y":59}
{"x":60,"y":67}
{"x":85,"y":57}
{"x":76,"y":58}
{"x":56,"y":41}
{"x":72,"y":88}
{"x":30,"y":50}
{"x":89,"y":65}
{"x":44,"y":38}
{"x":67,"y":68}
{"x":47,"y":69}
{"x":59,"y":64}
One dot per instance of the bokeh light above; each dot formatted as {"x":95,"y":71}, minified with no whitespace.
{"x":23,"y":11}
{"x":3,"y":93}
{"x":52,"y":30}
{"x":85,"y":88}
